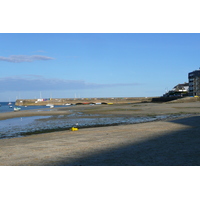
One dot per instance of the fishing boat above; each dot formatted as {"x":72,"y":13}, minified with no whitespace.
{"x":17,"y":109}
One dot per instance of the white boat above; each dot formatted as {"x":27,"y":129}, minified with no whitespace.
{"x":67,"y":104}
{"x":9,"y":103}
{"x":50,"y":105}
{"x":17,"y":109}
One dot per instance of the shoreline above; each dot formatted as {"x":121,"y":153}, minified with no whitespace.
{"x":63,"y":118}
{"x":114,"y":124}
{"x":136,"y":109}
{"x":169,"y":142}
{"x":87,"y":116}
{"x":160,"y":143}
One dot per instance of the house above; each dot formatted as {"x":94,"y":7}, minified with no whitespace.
{"x":181,"y":87}
{"x":179,"y":90}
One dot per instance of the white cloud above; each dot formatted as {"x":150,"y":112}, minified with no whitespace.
{"x":24,"y":58}
{"x":37,"y":83}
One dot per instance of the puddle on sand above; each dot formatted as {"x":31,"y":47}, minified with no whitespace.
{"x":19,"y":121}
{"x":13,"y":127}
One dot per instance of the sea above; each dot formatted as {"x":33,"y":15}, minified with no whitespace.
{"x":5,"y":107}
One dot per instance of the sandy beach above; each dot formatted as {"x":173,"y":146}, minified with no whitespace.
{"x":171,"y":142}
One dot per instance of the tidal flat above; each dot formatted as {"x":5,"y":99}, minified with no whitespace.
{"x":171,"y":141}
{"x":24,"y":123}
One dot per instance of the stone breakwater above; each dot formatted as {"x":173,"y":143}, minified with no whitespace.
{"x":63,"y":101}
{"x":118,"y":100}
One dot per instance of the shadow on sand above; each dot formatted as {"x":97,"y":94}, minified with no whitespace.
{"x":178,"y":148}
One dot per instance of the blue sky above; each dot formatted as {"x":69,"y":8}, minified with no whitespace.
{"x":68,"y":65}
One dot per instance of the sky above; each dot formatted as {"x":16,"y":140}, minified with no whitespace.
{"x":90,"y":65}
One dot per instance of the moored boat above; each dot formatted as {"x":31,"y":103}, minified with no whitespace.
{"x":50,"y":105}
{"x":9,"y":103}
{"x":17,"y":109}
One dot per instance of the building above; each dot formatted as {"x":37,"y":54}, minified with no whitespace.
{"x":194,"y":83}
{"x":181,"y":87}
{"x":180,"y":90}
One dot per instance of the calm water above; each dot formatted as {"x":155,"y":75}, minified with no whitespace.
{"x":16,"y":126}
{"x":6,"y":108}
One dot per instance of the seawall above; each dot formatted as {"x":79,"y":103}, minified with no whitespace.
{"x":63,"y":101}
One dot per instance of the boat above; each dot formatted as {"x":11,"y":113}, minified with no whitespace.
{"x":10,"y":106}
{"x":9,"y":103}
{"x":50,"y":105}
{"x":17,"y":109}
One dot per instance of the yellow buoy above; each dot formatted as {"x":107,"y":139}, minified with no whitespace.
{"x":74,"y":129}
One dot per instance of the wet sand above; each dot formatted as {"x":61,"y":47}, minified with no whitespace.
{"x":34,"y":112}
{"x":137,"y":109}
{"x":160,"y":143}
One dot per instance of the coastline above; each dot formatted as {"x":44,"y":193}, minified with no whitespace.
{"x":160,"y":143}
{"x":38,"y":121}
{"x":135,"y":109}
{"x":170,"y":142}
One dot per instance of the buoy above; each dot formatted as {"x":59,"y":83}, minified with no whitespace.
{"x":74,"y":129}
